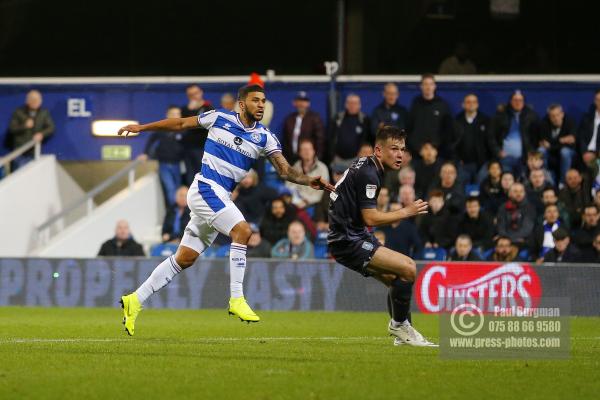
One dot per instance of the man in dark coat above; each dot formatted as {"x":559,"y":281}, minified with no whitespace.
{"x":513,"y":133}
{"x":588,"y":135}
{"x":430,"y":120}
{"x":558,"y":138}
{"x":389,"y":112}
{"x":28,"y":122}
{"x":350,"y":129}
{"x":477,"y":224}
{"x":122,"y":244}
{"x":469,"y":150}
{"x":564,"y":250}
{"x":575,"y":195}
{"x":584,"y":236}
{"x":303,"y":124}
{"x":463,"y":250}
{"x":516,"y":218}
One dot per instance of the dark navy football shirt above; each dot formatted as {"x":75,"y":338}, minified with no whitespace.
{"x":357,"y":189}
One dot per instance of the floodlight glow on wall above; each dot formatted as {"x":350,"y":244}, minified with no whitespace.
{"x":110,"y":127}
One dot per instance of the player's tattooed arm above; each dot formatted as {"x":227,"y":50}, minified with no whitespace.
{"x":291,"y":174}
{"x":169,"y":124}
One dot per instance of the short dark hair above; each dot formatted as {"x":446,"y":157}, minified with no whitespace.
{"x":245,"y":90}
{"x":436,"y":193}
{"x":553,"y":107}
{"x":386,"y":132}
{"x":560,"y":234}
{"x":193,"y":85}
{"x":502,"y":237}
{"x":494,"y":161}
{"x":550,"y":205}
{"x":427,"y":75}
{"x":549,"y":188}
{"x":472,"y":198}
{"x":589,"y":205}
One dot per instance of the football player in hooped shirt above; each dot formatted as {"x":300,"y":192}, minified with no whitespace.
{"x":352,"y":208}
{"x":234,"y":142}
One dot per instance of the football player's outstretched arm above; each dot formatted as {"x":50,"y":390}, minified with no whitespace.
{"x":374,"y":217}
{"x":291,"y":174}
{"x":169,"y":124}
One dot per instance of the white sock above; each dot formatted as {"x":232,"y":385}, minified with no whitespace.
{"x":237,"y":268}
{"x":159,"y":278}
{"x":396,"y":324}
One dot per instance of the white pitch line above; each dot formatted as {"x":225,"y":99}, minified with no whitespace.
{"x":211,"y":339}
{"x":200,"y":339}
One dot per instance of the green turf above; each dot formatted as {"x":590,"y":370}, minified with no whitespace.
{"x":84,"y":354}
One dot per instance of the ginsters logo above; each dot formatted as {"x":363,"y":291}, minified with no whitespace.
{"x":442,"y":287}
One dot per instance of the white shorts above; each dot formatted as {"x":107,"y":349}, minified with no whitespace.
{"x":212,"y":211}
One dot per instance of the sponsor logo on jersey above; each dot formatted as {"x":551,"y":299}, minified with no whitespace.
{"x":441,"y":287}
{"x":238,"y":141}
{"x":370,"y":191}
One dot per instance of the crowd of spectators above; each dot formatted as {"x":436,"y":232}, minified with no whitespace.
{"x":510,"y":186}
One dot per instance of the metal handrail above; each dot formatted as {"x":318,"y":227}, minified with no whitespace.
{"x":6,"y":160}
{"x":43,"y":230}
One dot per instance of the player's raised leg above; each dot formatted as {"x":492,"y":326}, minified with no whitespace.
{"x":159,"y":278}
{"x":240,"y":234}
{"x":398,"y":272}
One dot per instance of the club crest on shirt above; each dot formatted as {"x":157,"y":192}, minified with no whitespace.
{"x":238,"y":140}
{"x":255,"y":136}
{"x":370,"y":191}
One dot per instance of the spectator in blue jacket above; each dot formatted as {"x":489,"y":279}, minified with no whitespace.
{"x":296,"y":246}
{"x":168,"y":150}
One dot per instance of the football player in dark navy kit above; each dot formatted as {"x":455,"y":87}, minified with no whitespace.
{"x":352,"y":208}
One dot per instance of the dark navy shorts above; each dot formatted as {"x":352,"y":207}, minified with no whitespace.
{"x":355,"y":254}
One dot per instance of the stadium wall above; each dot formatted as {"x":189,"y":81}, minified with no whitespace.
{"x":142,"y":206}
{"x":30,"y":196}
{"x":76,"y":102}
{"x":289,"y":285}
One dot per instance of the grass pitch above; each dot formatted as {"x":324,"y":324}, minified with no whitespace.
{"x":58,"y":353}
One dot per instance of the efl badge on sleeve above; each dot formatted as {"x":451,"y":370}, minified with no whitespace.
{"x":370,"y":191}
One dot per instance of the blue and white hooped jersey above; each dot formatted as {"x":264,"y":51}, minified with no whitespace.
{"x":231,"y":149}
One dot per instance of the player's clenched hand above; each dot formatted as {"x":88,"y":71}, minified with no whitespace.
{"x":129,"y":128}
{"x":320,"y":184}
{"x":416,"y":208}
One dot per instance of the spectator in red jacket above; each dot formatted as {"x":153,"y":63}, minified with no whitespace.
{"x":303,"y":124}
